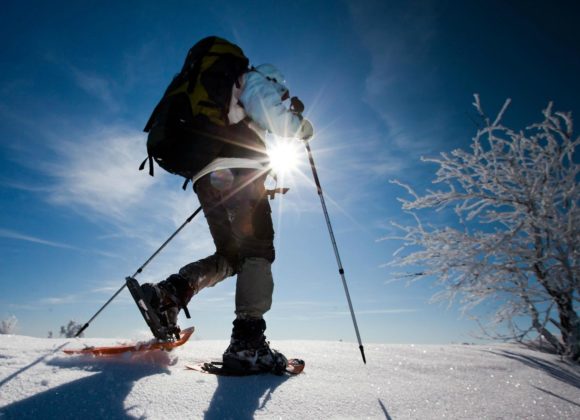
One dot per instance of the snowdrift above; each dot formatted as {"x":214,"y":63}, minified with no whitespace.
{"x":37,"y":380}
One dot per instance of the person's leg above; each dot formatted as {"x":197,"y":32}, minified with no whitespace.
{"x":174,"y":293}
{"x":235,"y":206}
{"x":253,"y":232}
{"x":254,"y":288}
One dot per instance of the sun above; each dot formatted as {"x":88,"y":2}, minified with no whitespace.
{"x":283,"y":156}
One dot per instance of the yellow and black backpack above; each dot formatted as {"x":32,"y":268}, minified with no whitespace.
{"x":196,"y":101}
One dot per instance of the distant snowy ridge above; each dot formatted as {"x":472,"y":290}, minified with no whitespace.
{"x":399,"y":382}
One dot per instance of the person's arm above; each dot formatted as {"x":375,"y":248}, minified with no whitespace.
{"x":262,"y":101}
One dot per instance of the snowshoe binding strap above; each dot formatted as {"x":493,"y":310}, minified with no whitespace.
{"x":179,"y":305}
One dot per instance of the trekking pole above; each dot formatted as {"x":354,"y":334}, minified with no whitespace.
{"x":139,"y":270}
{"x":336,"y":254}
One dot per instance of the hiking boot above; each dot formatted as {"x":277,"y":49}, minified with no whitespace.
{"x":164,"y":299}
{"x":250,"y":352}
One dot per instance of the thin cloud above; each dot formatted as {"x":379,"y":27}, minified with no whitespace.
{"x":99,"y":173}
{"x":17,"y":185}
{"x":24,"y":307}
{"x":97,"y":176}
{"x":11,"y":234}
{"x":62,"y":300}
{"x":306,"y":315}
{"x":384,"y":311}
{"x":6,"y":233}
{"x":106,"y":289}
{"x":96,"y":86}
{"x":90,"y":296}
{"x":380,"y":166}
{"x":399,"y":40}
{"x":294,"y":303}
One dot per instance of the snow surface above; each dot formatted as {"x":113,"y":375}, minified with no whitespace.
{"x":38,"y":381}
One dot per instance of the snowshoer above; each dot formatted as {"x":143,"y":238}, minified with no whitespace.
{"x":230,"y":188}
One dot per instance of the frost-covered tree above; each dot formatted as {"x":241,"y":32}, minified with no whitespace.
{"x":70,"y":330}
{"x":8,"y":325}
{"x":514,"y":242}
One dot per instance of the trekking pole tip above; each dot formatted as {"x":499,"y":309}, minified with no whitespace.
{"x":362,"y":353}
{"x":79,"y":332}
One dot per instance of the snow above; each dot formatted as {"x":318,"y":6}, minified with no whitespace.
{"x":38,"y":381}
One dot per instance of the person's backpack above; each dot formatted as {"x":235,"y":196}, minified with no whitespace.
{"x":196,"y":100}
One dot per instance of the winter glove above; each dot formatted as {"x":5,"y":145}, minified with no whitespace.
{"x":306,"y":130}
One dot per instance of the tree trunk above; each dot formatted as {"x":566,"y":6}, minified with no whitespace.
{"x":569,"y":326}
{"x":569,"y":322}
{"x":540,"y":328}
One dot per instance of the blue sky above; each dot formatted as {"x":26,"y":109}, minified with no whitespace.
{"x":384,"y":83}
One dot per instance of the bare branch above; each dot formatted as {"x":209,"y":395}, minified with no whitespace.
{"x":516,"y":196}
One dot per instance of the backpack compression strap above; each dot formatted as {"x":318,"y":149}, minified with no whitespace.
{"x":151,"y":170}
{"x":142,"y":166}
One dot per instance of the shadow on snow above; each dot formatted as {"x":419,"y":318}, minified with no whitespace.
{"x":25,"y":368}
{"x":240,"y":397}
{"x":564,"y":372}
{"x":98,"y":396}
{"x":385,"y":412}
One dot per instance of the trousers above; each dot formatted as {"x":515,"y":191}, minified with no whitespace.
{"x":238,"y":213}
